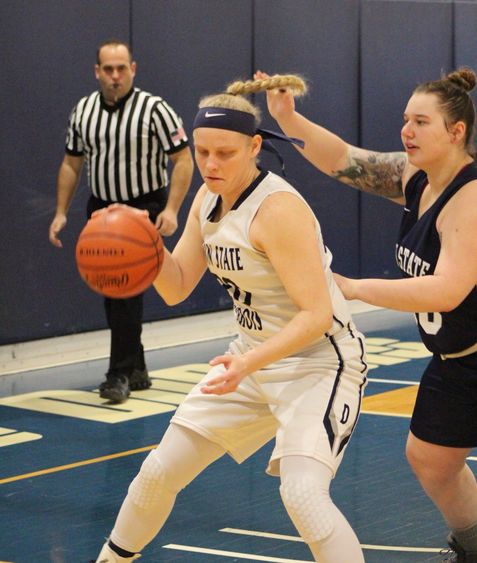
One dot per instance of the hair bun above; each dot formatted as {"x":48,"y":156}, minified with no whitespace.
{"x":463,"y":77}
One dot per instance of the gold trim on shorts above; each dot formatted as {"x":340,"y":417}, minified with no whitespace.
{"x":466,"y":352}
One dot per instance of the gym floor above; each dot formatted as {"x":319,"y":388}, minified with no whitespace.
{"x":68,"y":457}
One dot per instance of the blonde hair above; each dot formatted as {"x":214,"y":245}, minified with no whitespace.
{"x":292,"y":82}
{"x":233,"y":98}
{"x":227,"y":101}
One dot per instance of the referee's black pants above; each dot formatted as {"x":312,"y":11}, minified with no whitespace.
{"x":124,"y":316}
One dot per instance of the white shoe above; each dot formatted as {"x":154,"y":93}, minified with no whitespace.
{"x":107,"y":555}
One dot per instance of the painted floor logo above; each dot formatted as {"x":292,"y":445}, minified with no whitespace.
{"x":10,"y":436}
{"x":389,"y":351}
{"x":169,"y":387}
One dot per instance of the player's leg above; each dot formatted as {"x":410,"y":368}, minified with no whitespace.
{"x":179,"y":458}
{"x":443,"y":430}
{"x":305,"y":491}
{"x":451,"y":485}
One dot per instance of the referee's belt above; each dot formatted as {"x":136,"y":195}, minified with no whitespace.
{"x":466,"y":352}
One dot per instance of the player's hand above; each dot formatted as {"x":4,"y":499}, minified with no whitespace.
{"x":280,"y":101}
{"x":166,"y":222}
{"x":56,"y":226}
{"x":229,"y":380}
{"x":347,"y":286}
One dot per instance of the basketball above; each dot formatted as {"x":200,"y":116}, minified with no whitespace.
{"x":119,"y":252}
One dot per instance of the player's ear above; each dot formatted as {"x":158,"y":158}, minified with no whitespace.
{"x":256,"y":144}
{"x":458,"y":131}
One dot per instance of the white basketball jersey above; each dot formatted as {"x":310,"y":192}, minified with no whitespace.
{"x":261,"y":304}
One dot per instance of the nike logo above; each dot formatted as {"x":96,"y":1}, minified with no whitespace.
{"x":208,"y":114}
{"x":407,"y":210}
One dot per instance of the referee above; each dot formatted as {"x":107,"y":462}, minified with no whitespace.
{"x":126,"y":136}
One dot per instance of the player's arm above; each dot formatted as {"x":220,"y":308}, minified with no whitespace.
{"x":68,"y":178}
{"x":284,"y":229}
{"x":369,"y":171}
{"x":373,"y":172}
{"x":181,"y":177}
{"x":454,"y":277}
{"x":184,"y":267}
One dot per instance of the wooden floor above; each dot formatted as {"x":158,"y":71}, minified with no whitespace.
{"x":67,"y":458}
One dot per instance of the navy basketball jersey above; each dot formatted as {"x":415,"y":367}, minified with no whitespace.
{"x":417,"y":252}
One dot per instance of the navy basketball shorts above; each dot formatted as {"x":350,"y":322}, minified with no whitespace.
{"x":445,"y":413}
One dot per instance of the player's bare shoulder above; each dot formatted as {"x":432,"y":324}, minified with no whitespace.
{"x":374,"y":172}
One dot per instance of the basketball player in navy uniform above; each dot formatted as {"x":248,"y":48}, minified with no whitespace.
{"x":436,"y":181}
{"x":296,"y":371}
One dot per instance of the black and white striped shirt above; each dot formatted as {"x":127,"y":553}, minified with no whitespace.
{"x":126,"y":145}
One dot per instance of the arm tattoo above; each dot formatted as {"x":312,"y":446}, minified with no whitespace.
{"x":374,"y":172}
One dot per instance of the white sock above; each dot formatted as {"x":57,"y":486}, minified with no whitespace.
{"x":107,"y":555}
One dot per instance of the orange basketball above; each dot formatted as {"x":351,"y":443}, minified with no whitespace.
{"x":119,"y":253}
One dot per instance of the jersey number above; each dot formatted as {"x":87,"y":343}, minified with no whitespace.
{"x":234,"y":290}
{"x":430,"y":323}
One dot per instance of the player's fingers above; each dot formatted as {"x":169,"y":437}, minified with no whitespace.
{"x":219,"y":360}
{"x":219,"y":380}
{"x":167,"y":229}
{"x":219,"y":389}
{"x":260,"y":75}
{"x":99,"y":212}
{"x":223,"y":383}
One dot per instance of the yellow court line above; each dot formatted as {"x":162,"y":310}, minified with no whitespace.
{"x":74,"y":465}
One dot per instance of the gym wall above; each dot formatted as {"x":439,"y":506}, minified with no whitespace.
{"x":362,"y":59}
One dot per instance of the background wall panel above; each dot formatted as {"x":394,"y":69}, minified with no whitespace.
{"x":186,"y":50}
{"x":362,"y":59}
{"x":465,"y":34}
{"x":402,"y":44}
{"x":48,"y":55}
{"x":318,"y":40}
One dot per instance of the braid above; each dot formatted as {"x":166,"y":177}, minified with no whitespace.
{"x":291,"y":81}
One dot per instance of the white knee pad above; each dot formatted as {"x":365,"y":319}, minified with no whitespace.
{"x":309,"y":507}
{"x":150,"y":483}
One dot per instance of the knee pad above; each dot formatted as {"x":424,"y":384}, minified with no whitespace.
{"x":309,"y":507}
{"x":150,"y":483}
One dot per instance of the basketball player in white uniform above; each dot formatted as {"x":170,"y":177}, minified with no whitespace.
{"x":296,"y":370}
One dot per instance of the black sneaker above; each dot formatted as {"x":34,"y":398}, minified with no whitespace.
{"x":115,"y":389}
{"x":456,"y":553}
{"x":451,"y":556}
{"x":139,"y":380}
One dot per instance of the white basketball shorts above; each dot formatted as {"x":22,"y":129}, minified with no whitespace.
{"x":309,"y":404}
